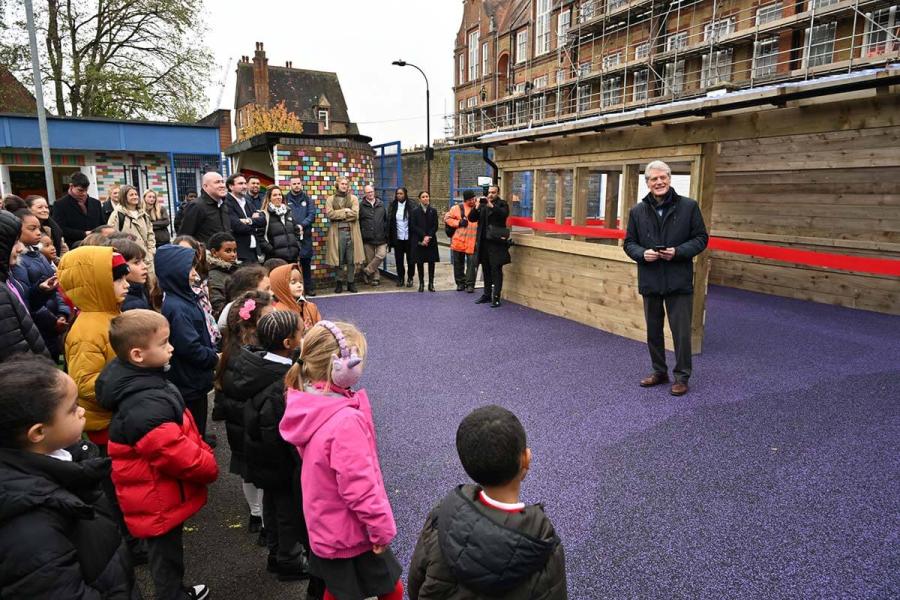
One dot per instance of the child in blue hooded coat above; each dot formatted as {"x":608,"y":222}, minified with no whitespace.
{"x":194,"y":358}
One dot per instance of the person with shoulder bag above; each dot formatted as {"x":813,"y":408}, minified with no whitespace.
{"x":462,"y":242}
{"x":492,"y":243}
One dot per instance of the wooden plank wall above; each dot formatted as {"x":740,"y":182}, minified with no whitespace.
{"x":831,"y":192}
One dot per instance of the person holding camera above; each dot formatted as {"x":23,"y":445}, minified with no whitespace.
{"x":462,"y":242}
{"x":665,"y":232}
{"x":492,"y":243}
{"x":423,"y":224}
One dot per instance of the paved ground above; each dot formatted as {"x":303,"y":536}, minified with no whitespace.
{"x":776,"y":477}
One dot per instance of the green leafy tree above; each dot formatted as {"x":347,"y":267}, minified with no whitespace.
{"x":113,"y":58}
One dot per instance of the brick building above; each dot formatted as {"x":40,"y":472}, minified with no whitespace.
{"x":15,"y":97}
{"x":519,"y":63}
{"x":314,"y":96}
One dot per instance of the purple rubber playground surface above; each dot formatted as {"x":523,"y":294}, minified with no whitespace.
{"x":778,"y":476}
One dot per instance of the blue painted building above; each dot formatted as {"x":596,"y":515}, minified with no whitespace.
{"x":169,"y":158}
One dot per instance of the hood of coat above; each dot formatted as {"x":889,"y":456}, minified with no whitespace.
{"x":219,"y":264}
{"x":280,"y":280}
{"x":306,"y":412}
{"x":485,"y":553}
{"x":251,"y":373}
{"x":85,"y":274}
{"x":121,"y":380}
{"x":10,"y":228}
{"x":173,"y":269}
{"x":30,"y":481}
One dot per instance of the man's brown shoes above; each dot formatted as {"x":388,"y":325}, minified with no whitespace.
{"x":655,"y":379}
{"x":679,"y":388}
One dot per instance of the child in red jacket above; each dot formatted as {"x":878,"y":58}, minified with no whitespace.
{"x":161,"y":466}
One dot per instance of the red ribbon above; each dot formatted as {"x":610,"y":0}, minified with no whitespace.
{"x":840,"y":262}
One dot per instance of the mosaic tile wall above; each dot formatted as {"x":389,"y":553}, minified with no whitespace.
{"x":110,"y":170}
{"x":320,"y":166}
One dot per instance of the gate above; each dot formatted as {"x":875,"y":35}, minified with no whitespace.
{"x":388,"y":177}
{"x":466,"y":166}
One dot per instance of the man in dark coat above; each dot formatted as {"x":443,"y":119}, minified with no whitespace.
{"x":243,"y":218}
{"x":179,"y":214}
{"x":207,"y":215}
{"x":254,"y":194}
{"x":304,"y":212}
{"x":373,"y":225}
{"x":76,"y":212}
{"x":665,"y":232}
{"x":491,"y":252}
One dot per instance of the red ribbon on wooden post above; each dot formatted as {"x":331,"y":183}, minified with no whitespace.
{"x":839,"y":262}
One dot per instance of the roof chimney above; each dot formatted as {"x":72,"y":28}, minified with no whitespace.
{"x":289,"y":64}
{"x":261,"y":76}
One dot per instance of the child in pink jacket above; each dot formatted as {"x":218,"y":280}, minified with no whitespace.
{"x":346,"y":507}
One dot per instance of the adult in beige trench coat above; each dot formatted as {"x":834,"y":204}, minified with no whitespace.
{"x":129,"y":216}
{"x":345,"y":246}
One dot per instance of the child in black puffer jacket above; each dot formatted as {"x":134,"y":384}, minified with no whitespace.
{"x":58,"y":538}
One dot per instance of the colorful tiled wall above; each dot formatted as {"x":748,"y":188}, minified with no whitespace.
{"x":320,"y":166}
{"x":110,"y":171}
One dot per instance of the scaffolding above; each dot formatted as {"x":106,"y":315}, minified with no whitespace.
{"x":621,"y":55}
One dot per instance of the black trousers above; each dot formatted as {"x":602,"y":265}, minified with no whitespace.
{"x":420,"y":266}
{"x":166,"y":558}
{"x":464,"y":269}
{"x":679,"y":308}
{"x":306,"y":268}
{"x":493,"y":278}
{"x":199,"y":407}
{"x":286,"y":534}
{"x":402,"y":254}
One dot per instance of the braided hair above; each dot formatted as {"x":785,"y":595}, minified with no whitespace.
{"x":241,"y":331}
{"x":275,"y":327}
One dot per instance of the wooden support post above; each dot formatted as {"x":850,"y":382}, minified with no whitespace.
{"x":560,"y":198}
{"x":703,"y":180}
{"x":611,"y":204}
{"x":580,"y":183}
{"x":506,"y":186}
{"x":630,"y":175}
{"x":539,"y":197}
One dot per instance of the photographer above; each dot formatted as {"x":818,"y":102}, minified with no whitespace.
{"x":492,"y":243}
{"x":463,"y":242}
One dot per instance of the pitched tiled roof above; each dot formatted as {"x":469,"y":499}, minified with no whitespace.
{"x":300,"y":89}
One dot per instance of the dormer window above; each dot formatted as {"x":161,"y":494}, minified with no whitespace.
{"x":323,"y":118}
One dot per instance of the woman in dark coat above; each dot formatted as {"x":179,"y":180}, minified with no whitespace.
{"x":423,"y":225}
{"x":399,"y":213}
{"x":18,"y":333}
{"x":278,"y":237}
{"x":490,"y":251}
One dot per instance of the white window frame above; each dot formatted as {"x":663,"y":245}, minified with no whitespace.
{"x":521,"y":110}
{"x":765,"y":57}
{"x":876,"y":39}
{"x":324,"y":112}
{"x":470,"y":121}
{"x":642,"y":51}
{"x":473,"y":54}
{"x":673,"y":78}
{"x":612,"y":92}
{"x":540,"y":82}
{"x":519,"y":88}
{"x":583,"y":97}
{"x":462,"y":69}
{"x":584,"y":69}
{"x":563,"y":22}
{"x":677,"y":41}
{"x":819,"y":48}
{"x":716,"y":30}
{"x":560,"y":75}
{"x":521,"y":46}
{"x":586,"y":11}
{"x":716,"y":67}
{"x":542,"y":27}
{"x":485,"y":59}
{"x":611,"y":61}
{"x":641,"y":87}
{"x":769,"y":13}
{"x":817,"y":4}
{"x":460,"y":123}
{"x":614,"y":5}
{"x":539,"y":107}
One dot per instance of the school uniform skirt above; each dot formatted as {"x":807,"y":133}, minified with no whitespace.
{"x":359,"y":577}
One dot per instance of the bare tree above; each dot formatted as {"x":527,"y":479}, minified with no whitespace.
{"x":116,"y":58}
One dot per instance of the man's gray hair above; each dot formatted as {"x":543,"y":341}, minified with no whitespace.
{"x":657,"y":165}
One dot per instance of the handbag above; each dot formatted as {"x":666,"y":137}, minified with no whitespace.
{"x":495,"y":233}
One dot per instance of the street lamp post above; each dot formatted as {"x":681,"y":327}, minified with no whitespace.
{"x":429,"y":151}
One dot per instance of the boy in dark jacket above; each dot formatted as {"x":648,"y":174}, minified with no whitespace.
{"x":481,"y":541}
{"x":160,"y":465}
{"x":134,"y":255}
{"x":195,"y":359}
{"x":57,"y":535}
{"x":221,"y":256}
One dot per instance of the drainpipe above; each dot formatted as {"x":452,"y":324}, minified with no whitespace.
{"x":491,"y":164}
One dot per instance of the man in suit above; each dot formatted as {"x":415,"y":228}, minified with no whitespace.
{"x":243,"y":217}
{"x":207,"y":216}
{"x":76,"y":212}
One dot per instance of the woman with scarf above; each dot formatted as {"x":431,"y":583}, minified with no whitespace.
{"x":278,"y":238}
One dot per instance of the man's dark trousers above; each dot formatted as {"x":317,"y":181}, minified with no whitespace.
{"x":464,"y":269}
{"x":679,"y":308}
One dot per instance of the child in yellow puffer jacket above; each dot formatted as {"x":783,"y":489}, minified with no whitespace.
{"x":93,"y":278}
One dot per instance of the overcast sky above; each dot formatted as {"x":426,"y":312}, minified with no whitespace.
{"x":357,"y":39}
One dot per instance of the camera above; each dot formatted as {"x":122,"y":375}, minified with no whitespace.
{"x":482,"y":200}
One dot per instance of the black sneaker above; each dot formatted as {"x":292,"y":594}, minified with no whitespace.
{"x":409,"y":282}
{"x":400,"y":282}
{"x":254,"y":525}
{"x":295,"y":572}
{"x":483,"y":300}
{"x":351,"y":287}
{"x":339,"y":287}
{"x":197,"y":592}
